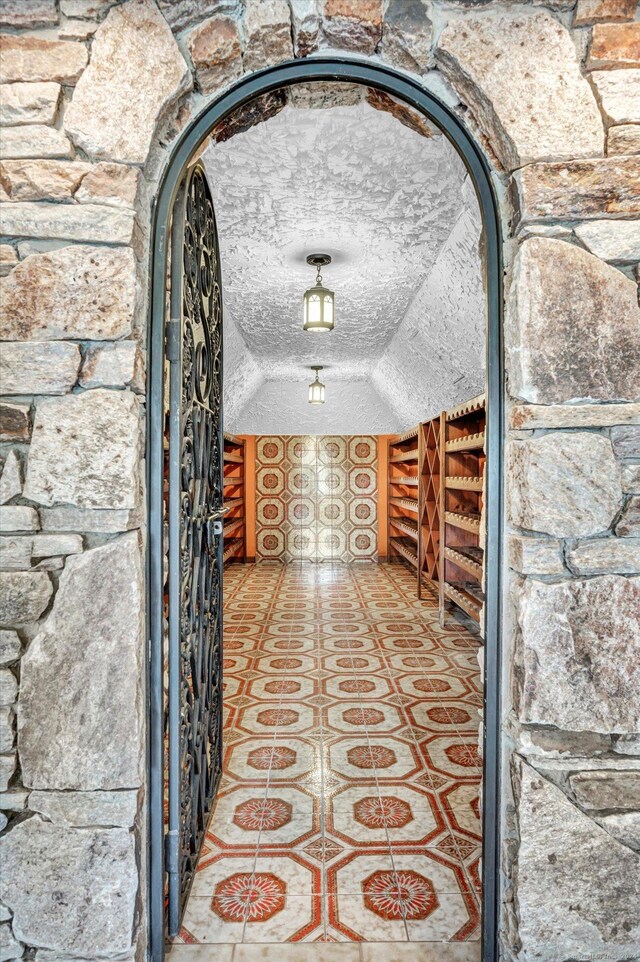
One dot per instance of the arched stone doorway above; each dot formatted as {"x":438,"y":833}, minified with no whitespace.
{"x":549,"y":91}
{"x":392,"y":83}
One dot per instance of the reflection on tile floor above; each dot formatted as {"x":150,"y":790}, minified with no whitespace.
{"x":348,"y":809}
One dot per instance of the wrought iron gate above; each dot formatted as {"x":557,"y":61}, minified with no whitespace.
{"x":194,"y":513}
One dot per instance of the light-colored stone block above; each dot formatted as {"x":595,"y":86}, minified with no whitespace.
{"x":113,"y":365}
{"x":18,"y":517}
{"x":87,"y":809}
{"x":15,"y":553}
{"x":594,"y":11}
{"x":619,"y":94}
{"x":10,"y":948}
{"x":579,"y":654}
{"x":606,"y":555}
{"x":626,"y":441}
{"x":628,"y":525}
{"x":576,"y":886}
{"x":574,"y":190}
{"x":8,"y":259}
{"x":406,"y":35}
{"x":38,"y":367}
{"x":624,"y":139}
{"x":89,"y":223}
{"x":563,"y":484}
{"x":606,"y":790}
{"x":535,"y":556}
{"x":624,"y":827}
{"x":24,"y":595}
{"x":29,"y":103}
{"x":133,"y":49}
{"x":631,"y":478}
{"x":353,"y":25}
{"x":34,"y":140}
{"x":7,"y":732}
{"x":32,"y":59}
{"x":85,"y":451}
{"x":569,"y":320}
{"x":7,"y":768}
{"x":10,"y":646}
{"x":80,"y":292}
{"x":97,"y":872}
{"x":67,"y":518}
{"x":26,"y":180}
{"x":11,"y":479}
{"x":514,"y":67}
{"x":89,"y":653}
{"x":531,"y":416}
{"x":612,"y":240}
{"x":28,"y":13}
{"x":47,"y":545}
{"x":8,"y":688}
{"x":113,"y":184}
{"x":216,"y":52}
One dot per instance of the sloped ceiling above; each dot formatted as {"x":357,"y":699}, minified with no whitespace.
{"x":395,"y":211}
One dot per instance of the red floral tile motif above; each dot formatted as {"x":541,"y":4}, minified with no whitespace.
{"x":277,"y":716}
{"x":286,"y":663}
{"x":353,"y":685}
{"x":277,"y":756}
{"x":257,"y":814}
{"x":431,"y":684}
{"x":371,"y":756}
{"x":282,"y":687}
{"x":465,"y":755}
{"x":449,"y":716}
{"x":400,"y":895}
{"x":363,"y":716}
{"x":384,"y":812}
{"x":255,"y":897}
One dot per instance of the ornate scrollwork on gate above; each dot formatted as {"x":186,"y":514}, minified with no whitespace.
{"x":195,"y":551}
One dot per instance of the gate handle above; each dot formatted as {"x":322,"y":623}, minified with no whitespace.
{"x":216,"y":515}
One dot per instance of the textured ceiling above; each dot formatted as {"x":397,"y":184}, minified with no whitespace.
{"x":351,"y":181}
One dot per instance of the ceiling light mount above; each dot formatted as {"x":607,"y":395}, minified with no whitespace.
{"x":316,"y":388}
{"x":317,"y":303}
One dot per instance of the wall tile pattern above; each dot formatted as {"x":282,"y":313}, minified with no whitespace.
{"x":316,"y":498}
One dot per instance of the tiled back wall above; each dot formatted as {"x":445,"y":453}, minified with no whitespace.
{"x":316,"y":498}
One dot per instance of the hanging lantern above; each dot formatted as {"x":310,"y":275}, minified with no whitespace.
{"x":316,"y":388}
{"x":317,"y":303}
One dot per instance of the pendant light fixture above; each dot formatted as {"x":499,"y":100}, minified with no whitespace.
{"x":317,"y":302}
{"x":316,"y":388}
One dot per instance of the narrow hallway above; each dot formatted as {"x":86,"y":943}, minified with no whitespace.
{"x":348,"y":807}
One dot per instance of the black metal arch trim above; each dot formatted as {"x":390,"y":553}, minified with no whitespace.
{"x":364,"y":72}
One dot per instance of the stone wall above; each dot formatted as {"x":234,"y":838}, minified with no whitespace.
{"x":95,"y":93}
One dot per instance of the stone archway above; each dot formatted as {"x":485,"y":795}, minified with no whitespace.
{"x":84,"y":162}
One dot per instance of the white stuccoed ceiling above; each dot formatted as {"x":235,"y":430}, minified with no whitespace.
{"x":383,"y":200}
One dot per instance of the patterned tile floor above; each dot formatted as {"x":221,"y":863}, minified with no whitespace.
{"x":348,"y":807}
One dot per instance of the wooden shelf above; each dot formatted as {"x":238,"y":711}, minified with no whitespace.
{"x":232,"y":549}
{"x":409,"y":527}
{"x":411,"y":504}
{"x":470,"y":442}
{"x":429,"y":503}
{"x":463,"y":484}
{"x":408,"y":482}
{"x":466,"y":522}
{"x":461,"y":496}
{"x":462,"y":597}
{"x":233,"y":528}
{"x":404,"y":547}
{"x":404,"y":457}
{"x":465,"y":559}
